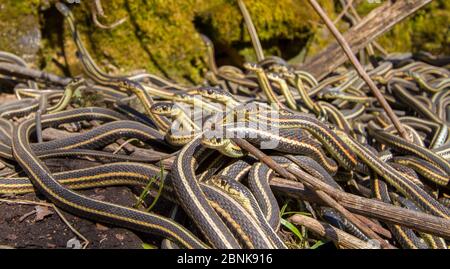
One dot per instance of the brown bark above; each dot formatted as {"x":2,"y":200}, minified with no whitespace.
{"x":377,"y":22}
{"x":339,"y":237}
{"x":370,"y":208}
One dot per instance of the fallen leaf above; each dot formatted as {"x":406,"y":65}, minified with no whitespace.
{"x":101,"y":227}
{"x":42,"y":212}
{"x":120,"y":237}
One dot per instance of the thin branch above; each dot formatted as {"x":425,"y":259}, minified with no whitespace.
{"x":293,"y":174}
{"x":377,"y":22}
{"x":372,"y":208}
{"x":384,"y":104}
{"x":252,"y":31}
{"x":339,"y":237}
{"x":29,"y":73}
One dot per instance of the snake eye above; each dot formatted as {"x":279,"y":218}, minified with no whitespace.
{"x":210,"y":91}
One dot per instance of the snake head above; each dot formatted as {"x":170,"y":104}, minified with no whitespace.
{"x":162,"y":108}
{"x":414,"y":75}
{"x":215,"y":142}
{"x":206,"y":40}
{"x":279,"y":68}
{"x":288,"y":74}
{"x":182,"y":97}
{"x":215,"y":93}
{"x":129,"y":85}
{"x":125,"y":85}
{"x":252,"y":66}
{"x":63,"y":9}
{"x":329,"y":93}
{"x":273,"y":76}
{"x":209,"y":92}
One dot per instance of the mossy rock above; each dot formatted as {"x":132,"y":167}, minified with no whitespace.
{"x":19,"y":28}
{"x":428,"y":30}
{"x":161,"y":36}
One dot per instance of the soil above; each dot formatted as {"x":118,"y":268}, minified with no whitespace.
{"x":21,"y":227}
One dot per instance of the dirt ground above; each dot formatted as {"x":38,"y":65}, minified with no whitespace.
{"x":32,"y":226}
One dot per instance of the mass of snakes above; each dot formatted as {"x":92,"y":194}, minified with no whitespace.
{"x":180,"y":141}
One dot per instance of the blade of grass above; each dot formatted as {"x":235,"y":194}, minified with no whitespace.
{"x":296,"y":212}
{"x":292,"y":228}
{"x":317,"y":244}
{"x":148,"y":246}
{"x":145,"y":192}
{"x":283,"y":209}
{"x":161,"y":185}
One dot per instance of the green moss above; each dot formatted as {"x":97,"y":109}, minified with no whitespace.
{"x":11,"y":8}
{"x":426,"y":30}
{"x":19,"y":28}
{"x":167,"y":34}
{"x":288,"y":20}
{"x":117,"y":47}
{"x":364,"y":7}
{"x":161,"y":36}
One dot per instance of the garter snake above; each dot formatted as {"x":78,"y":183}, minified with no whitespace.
{"x":410,"y":148}
{"x":82,"y":205}
{"x":405,"y":236}
{"x":194,"y":201}
{"x":19,"y":108}
{"x":333,"y":143}
{"x":426,"y":169}
{"x":229,"y":200}
{"x":218,"y":95}
{"x":244,"y":197}
{"x":404,"y":186}
{"x":293,"y":141}
{"x":264,"y":83}
{"x":249,"y":231}
{"x":252,"y":235}
{"x":285,"y":89}
{"x":236,"y":171}
{"x":258,"y":183}
{"x":105,"y":175}
{"x":434,"y":242}
{"x":287,"y":120}
{"x":102,"y":136}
